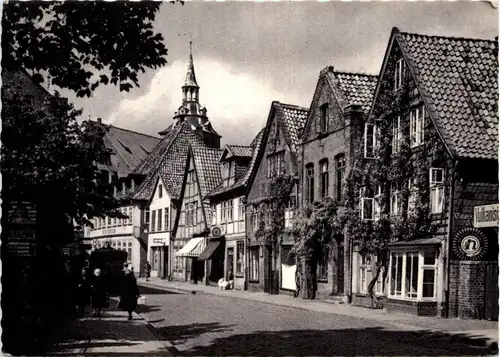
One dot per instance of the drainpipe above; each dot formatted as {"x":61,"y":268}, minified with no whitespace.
{"x":448,"y":240}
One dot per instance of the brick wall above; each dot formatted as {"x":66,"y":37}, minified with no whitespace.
{"x":416,"y":308}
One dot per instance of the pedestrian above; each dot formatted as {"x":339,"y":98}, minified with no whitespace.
{"x":148,"y":270}
{"x":100,"y":298}
{"x":129,"y":293}
{"x":298,"y":279}
{"x":82,"y":293}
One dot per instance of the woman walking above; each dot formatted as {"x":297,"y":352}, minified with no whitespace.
{"x":129,"y":293}
{"x":99,"y":294}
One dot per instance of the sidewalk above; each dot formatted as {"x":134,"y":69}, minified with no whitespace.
{"x":478,"y":332}
{"x":110,"y":335}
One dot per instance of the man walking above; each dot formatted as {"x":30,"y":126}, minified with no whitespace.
{"x":148,"y":270}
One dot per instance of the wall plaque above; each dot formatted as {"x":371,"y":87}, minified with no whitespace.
{"x":470,"y":244}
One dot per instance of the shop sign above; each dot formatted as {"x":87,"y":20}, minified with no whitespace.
{"x":486,"y":216}
{"x":470,"y":244}
{"x":159,"y":240}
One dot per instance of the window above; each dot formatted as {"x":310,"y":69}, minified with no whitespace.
{"x":213,"y":210}
{"x":240,"y":258}
{"x":265,"y":214}
{"x":153,"y":221}
{"x":241,"y":210}
{"x":276,"y":164}
{"x":129,"y":250}
{"x":255,"y":219}
{"x":396,"y":134}
{"x":160,"y":220}
{"x":396,"y":200}
{"x":412,"y":193}
{"x":323,"y":168}
{"x":323,"y":118}
{"x":189,"y":211}
{"x":323,"y":267}
{"x":310,"y":183}
{"x":419,"y":278}
{"x":339,"y":176}
{"x":370,"y":137}
{"x":378,"y":202}
{"x":223,"y":215}
{"x":229,"y":208}
{"x":367,"y":205}
{"x":166,"y":219}
{"x":365,"y":267}
{"x":160,"y":191}
{"x":399,"y":73}
{"x":436,"y":181}
{"x":146,"y":216}
{"x":417,"y":120}
{"x":225,"y":170}
{"x":253,"y":261}
{"x":289,"y":212}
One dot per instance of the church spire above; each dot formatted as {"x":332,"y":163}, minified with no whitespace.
{"x":190,"y":89}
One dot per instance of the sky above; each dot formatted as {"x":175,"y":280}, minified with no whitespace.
{"x":248,"y":54}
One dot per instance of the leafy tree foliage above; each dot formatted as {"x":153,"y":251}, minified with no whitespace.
{"x":81,"y":45}
{"x":314,"y":228}
{"x":50,"y":159}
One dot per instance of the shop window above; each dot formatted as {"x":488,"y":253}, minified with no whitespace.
{"x":253,"y":261}
{"x":323,"y":267}
{"x":339,"y":177}
{"x":240,"y":258}
{"x":310,"y":183}
{"x":436,"y":181}
{"x":419,"y":278}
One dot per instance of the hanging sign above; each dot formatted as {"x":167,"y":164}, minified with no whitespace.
{"x":486,"y":216}
{"x":470,"y":244}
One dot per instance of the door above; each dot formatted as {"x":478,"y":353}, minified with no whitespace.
{"x":340,"y":265}
{"x":230,"y":264}
{"x":155,"y":261}
{"x":491,"y":294}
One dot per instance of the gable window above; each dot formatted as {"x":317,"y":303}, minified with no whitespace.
{"x":153,"y":221}
{"x":323,"y":168}
{"x":417,"y":120}
{"x":339,"y":176}
{"x":275,"y":164}
{"x":160,"y":191}
{"x":396,"y":199}
{"x":225,"y":173}
{"x":191,"y":214}
{"x":396,"y":134}
{"x":436,"y":181}
{"x":323,"y":118}
{"x":399,"y":73}
{"x":160,"y":219}
{"x":413,"y":275}
{"x":310,"y":183}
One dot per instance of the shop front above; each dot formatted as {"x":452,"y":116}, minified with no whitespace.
{"x":235,"y":262}
{"x":213,"y":256}
{"x":191,"y":269}
{"x":158,"y":248}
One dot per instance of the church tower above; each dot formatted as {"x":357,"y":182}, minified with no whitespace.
{"x":191,"y":111}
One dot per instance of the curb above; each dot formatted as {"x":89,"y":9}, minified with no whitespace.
{"x":491,"y":346}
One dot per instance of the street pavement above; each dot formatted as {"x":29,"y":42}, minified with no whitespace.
{"x":201,"y":322}
{"x":110,"y":335}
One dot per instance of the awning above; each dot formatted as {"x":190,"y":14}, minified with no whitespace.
{"x":192,"y":249}
{"x":209,"y":250}
{"x":417,"y":242}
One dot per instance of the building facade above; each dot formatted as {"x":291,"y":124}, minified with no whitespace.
{"x":434,"y":120}
{"x":278,"y":155}
{"x":333,"y":130}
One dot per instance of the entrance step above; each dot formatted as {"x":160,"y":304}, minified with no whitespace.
{"x":333,"y":299}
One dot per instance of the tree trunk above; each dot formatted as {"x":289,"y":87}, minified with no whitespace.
{"x":371,"y":285}
{"x":309,"y":291}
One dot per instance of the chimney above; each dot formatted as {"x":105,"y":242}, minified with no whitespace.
{"x":99,"y":121}
{"x":132,"y":185}
{"x":327,"y":69}
{"x":353,"y":114}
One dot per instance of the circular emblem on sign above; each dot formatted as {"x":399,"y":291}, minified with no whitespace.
{"x":470,"y":244}
{"x":216,"y":231}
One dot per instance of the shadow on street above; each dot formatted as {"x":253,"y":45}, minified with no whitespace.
{"x":146,"y":290}
{"x":344,"y":342}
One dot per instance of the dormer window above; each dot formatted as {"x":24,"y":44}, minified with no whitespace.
{"x":323,"y":118}
{"x":399,"y":73}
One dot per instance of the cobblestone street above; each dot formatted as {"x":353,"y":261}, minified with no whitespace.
{"x":203,"y":324}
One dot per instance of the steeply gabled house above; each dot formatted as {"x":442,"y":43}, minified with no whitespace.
{"x":437,"y":103}
{"x":191,"y":227}
{"x":332,"y":132}
{"x":164,"y":169}
{"x":277,"y":155}
{"x":128,"y":150}
{"x":228,"y":257}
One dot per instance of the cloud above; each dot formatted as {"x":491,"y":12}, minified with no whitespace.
{"x":237,"y":103}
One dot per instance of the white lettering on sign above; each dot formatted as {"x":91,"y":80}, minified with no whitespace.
{"x":486,"y":216}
